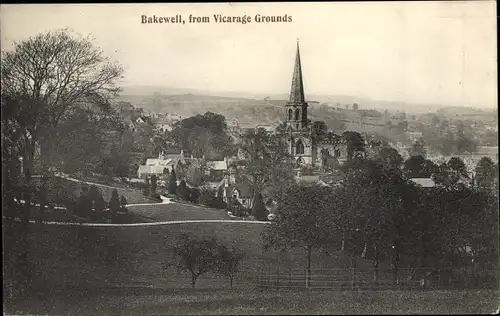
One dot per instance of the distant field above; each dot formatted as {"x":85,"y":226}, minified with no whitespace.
{"x":224,"y":302}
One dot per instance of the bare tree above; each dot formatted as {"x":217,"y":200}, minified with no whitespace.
{"x":45,"y":76}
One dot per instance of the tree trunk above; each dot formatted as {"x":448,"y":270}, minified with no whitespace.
{"x":353,"y":270}
{"x":343,"y":241}
{"x":308,"y":277}
{"x":193,"y":280}
{"x":395,"y":266}
{"x":363,"y":254}
{"x":375,"y":265}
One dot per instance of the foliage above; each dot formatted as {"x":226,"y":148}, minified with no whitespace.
{"x":172,"y":183}
{"x":183,"y":191}
{"x":194,"y":195}
{"x":44,"y":77}
{"x":319,"y":130}
{"x":123,"y":202}
{"x":419,"y":167}
{"x":207,"y":197}
{"x":235,"y":207}
{"x":269,"y":164}
{"x":154,"y":183}
{"x":259,"y":210}
{"x":114,"y":202}
{"x":196,"y":255}
{"x":354,"y":142}
{"x":229,"y":261}
{"x":485,"y":173}
{"x":202,"y":135}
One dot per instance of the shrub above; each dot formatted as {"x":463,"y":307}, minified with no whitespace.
{"x":183,"y":191}
{"x":172,"y":183}
{"x":156,"y":196}
{"x":145,"y":191}
{"x":114,"y":202}
{"x":259,"y":210}
{"x":194,"y":195}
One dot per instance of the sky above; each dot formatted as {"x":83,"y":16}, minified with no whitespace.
{"x":416,"y":52}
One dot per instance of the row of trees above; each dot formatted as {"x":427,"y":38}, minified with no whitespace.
{"x":91,"y":204}
{"x":379,"y":214}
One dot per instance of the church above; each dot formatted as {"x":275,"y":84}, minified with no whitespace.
{"x":307,"y":151}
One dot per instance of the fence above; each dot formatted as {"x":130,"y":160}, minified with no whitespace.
{"x":404,"y":279}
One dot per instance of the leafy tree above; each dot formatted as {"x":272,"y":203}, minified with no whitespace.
{"x":235,"y":207}
{"x":183,"y":191}
{"x":391,"y":157}
{"x":319,"y":130}
{"x":154,"y":183}
{"x":300,"y":220}
{"x":259,"y":210}
{"x":123,"y":202}
{"x":354,"y":142}
{"x":485,"y":173}
{"x":46,"y":76}
{"x":229,"y":262}
{"x":269,"y":164}
{"x":99,"y":204}
{"x":194,"y":175}
{"x":452,"y":175}
{"x":194,"y":195}
{"x":114,"y":202}
{"x":172,"y":183}
{"x":202,"y":135}
{"x":355,"y":106}
{"x":196,"y":255}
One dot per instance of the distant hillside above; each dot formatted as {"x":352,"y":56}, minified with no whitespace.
{"x":141,"y":92}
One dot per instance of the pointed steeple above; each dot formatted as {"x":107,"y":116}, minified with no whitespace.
{"x":297,"y":91}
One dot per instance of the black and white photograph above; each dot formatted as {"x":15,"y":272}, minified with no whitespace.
{"x":267,"y":158}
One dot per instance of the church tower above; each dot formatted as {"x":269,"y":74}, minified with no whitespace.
{"x":299,"y":132}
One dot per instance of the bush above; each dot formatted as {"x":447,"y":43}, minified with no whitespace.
{"x":156,"y":196}
{"x":172,"y":183}
{"x":183,"y":191}
{"x":259,"y":210}
{"x":145,"y":191}
{"x":194,"y":195}
{"x":114,"y":202}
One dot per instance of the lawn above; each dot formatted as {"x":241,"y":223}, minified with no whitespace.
{"x":64,"y":256}
{"x":250,"y":302}
{"x":133,"y":196}
{"x":177,"y":212}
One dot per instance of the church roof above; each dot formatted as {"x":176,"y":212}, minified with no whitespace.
{"x":297,"y":95}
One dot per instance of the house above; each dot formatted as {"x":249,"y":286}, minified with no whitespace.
{"x":215,"y":170}
{"x":240,"y":191}
{"x":164,"y":164}
{"x":424,"y":182}
{"x":161,"y":125}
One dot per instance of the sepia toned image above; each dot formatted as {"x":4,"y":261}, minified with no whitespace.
{"x":250,"y":158}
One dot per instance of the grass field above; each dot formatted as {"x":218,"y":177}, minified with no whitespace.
{"x":177,"y":212}
{"x":133,"y":196}
{"x":249,"y":302}
{"x":65,"y":256}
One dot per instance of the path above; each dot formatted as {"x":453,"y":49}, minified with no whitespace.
{"x":148,"y":224}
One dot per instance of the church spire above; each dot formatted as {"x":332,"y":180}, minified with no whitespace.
{"x":297,"y":91}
